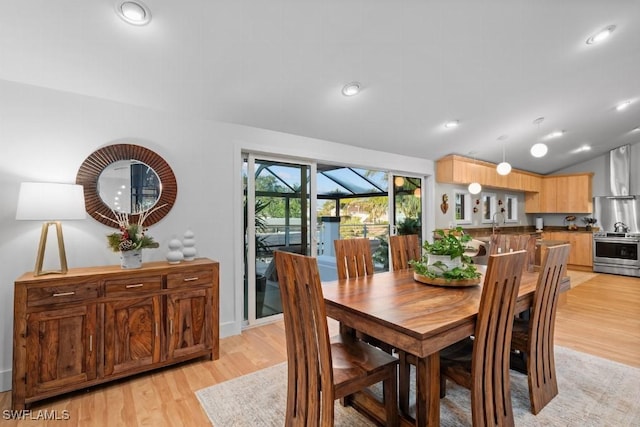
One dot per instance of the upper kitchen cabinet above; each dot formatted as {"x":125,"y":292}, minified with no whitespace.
{"x":454,"y":169}
{"x":570,"y":193}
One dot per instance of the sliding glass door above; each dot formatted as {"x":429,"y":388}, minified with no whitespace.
{"x":278,"y":216}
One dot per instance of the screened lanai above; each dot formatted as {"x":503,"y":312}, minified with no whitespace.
{"x":350,"y":202}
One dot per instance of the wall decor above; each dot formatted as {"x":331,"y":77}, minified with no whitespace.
{"x":148,"y":180}
{"x":444,"y":206}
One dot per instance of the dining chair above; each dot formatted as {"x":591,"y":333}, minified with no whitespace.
{"x":481,"y":362}
{"x":353,"y":259}
{"x":501,"y":243}
{"x":404,"y":248}
{"x":322,"y":369}
{"x":532,"y":338}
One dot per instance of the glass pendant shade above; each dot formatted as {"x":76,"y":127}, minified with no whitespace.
{"x":539,"y":150}
{"x":503,"y":168}
{"x":475,"y":188}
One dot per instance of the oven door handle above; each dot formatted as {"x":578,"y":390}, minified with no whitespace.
{"x":623,"y":240}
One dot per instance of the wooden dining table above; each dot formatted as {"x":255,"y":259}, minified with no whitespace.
{"x":417,"y":318}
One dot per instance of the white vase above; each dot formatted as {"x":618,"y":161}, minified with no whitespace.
{"x":174,"y":256}
{"x":189,"y":246}
{"x":446,"y":260}
{"x":131,"y":259}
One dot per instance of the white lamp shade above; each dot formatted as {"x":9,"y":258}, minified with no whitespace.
{"x":475,"y":188}
{"x":47,"y":201}
{"x":503,"y":168}
{"x":539,"y":150}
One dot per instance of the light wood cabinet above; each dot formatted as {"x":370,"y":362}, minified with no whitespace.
{"x":581,"y":253}
{"x":94,"y":325}
{"x":562,"y":194}
{"x":570,"y":193}
{"x":461,"y":170}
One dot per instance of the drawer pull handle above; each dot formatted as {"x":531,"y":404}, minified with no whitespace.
{"x":139,"y":285}
{"x":157,"y":329}
{"x":90,"y":343}
{"x":191,"y":279}
{"x":171,"y":327}
{"x":64,"y":294}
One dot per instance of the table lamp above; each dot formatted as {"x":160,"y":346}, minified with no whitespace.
{"x":52,"y":203}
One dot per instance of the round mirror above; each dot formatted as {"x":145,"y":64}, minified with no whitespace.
{"x":127,"y":178}
{"x":129,"y":186}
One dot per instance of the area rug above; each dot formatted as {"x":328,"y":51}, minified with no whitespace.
{"x":593,"y":392}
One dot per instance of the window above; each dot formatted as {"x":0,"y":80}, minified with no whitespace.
{"x":462,"y":209}
{"x":488,"y":201}
{"x":511,"y":208}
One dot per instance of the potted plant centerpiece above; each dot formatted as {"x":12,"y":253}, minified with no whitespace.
{"x":444,"y":261}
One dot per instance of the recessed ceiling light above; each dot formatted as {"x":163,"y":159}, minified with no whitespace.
{"x":623,"y":105}
{"x":452,"y":124}
{"x":601,"y":35}
{"x":133,"y":12}
{"x":539,"y":150}
{"x":584,"y":148}
{"x":555,"y":134}
{"x":351,"y":89}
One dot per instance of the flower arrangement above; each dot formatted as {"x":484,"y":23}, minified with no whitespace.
{"x":589,"y":223}
{"x":131,"y":236}
{"x":451,"y":244}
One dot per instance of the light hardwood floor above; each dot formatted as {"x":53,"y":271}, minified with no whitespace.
{"x":600,"y":317}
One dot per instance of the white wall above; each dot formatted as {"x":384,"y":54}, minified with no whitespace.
{"x":46,"y":135}
{"x":600,"y":167}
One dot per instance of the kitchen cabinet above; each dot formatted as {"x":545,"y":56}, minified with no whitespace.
{"x":562,"y":194}
{"x":581,"y":254}
{"x":569,"y":193}
{"x":98,"y":324}
{"x":461,"y":170}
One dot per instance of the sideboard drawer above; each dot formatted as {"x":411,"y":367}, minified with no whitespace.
{"x":190,"y":278}
{"x":37,"y":296}
{"x":129,"y":286}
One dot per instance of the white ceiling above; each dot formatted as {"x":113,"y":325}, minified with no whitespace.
{"x":280,"y":64}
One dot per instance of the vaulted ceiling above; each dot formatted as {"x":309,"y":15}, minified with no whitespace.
{"x":494,"y":65}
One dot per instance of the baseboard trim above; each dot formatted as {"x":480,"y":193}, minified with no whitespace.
{"x":5,"y":380}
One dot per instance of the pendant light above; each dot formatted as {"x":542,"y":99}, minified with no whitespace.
{"x":503,"y":168}
{"x":474,"y":187}
{"x":539,"y":149}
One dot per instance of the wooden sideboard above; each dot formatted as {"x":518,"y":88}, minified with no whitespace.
{"x":98,"y":324}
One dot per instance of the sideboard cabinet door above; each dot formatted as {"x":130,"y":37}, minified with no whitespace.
{"x":189,"y":323}
{"x":61,"y":348}
{"x":131,"y":334}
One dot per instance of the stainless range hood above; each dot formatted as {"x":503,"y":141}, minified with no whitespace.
{"x":620,"y":171}
{"x":620,"y":206}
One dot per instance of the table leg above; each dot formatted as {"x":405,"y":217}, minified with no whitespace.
{"x":428,"y":391}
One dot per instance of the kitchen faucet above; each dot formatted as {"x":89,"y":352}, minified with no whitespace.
{"x":494,"y":223}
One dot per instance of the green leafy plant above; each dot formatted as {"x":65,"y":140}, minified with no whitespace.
{"x":453,"y":244}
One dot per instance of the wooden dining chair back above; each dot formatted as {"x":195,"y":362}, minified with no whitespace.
{"x":404,"y":248}
{"x":533,"y":338}
{"x":353,"y":257}
{"x":503,"y":243}
{"x":313,"y":380}
{"x":481,"y":363}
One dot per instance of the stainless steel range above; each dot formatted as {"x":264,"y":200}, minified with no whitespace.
{"x":616,"y":253}
{"x":616,"y":248}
